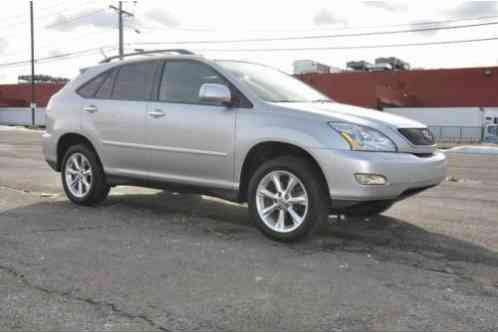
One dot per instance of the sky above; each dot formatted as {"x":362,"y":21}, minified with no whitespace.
{"x":79,"y":33}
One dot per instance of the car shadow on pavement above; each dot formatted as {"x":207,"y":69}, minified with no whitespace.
{"x":350,"y":234}
{"x":382,"y":235}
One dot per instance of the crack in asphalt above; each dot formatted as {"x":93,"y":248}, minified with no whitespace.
{"x":85,"y":228}
{"x":86,"y":300}
{"x":34,"y":193}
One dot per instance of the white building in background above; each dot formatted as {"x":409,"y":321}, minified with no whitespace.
{"x":309,"y":66}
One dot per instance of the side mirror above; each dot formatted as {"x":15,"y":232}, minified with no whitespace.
{"x":215,"y":93}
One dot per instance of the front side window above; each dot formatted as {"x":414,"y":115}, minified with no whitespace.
{"x":135,"y":81}
{"x":182,"y":80}
{"x":272,"y":85}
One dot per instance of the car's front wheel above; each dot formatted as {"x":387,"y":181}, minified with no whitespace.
{"x":287,"y":198}
{"x":83,"y":177}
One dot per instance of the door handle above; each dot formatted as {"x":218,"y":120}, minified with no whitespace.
{"x":90,"y":109}
{"x":156,"y":113}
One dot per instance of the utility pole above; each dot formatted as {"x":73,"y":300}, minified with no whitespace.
{"x":120,"y":12}
{"x":33,"y":96}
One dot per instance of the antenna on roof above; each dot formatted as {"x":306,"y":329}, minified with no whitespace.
{"x":141,"y":52}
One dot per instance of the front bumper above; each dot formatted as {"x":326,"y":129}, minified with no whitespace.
{"x":406,"y":173}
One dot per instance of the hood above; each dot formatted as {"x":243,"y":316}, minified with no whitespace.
{"x":348,"y":113}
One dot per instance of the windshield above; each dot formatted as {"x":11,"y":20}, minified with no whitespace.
{"x":272,"y":85}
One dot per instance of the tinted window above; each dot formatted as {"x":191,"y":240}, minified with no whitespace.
{"x":182,"y":80}
{"x":105,"y":89}
{"x":89,"y":88}
{"x":135,"y":81}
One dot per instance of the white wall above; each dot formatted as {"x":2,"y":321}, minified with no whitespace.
{"x":21,"y":116}
{"x":490,"y":112}
{"x":464,"y":117}
{"x":448,"y":124}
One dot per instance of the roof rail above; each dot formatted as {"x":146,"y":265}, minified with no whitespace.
{"x":179,"y":51}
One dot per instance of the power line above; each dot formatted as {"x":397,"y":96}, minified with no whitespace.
{"x":358,"y":47}
{"x":414,"y":24}
{"x":24,"y":65}
{"x":58,"y":56}
{"x":79,"y":37}
{"x":91,"y":51}
{"x":361,"y":34}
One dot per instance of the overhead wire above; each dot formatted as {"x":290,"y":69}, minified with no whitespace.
{"x":355,"y":47}
{"x":327,"y":36}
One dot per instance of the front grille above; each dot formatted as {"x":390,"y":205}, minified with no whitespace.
{"x":418,"y":136}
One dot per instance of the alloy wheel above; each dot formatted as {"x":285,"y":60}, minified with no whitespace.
{"x":78,"y":174}
{"x":282,"y":201}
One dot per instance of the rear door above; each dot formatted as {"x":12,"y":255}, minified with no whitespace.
{"x":115,"y":115}
{"x":190,"y":141}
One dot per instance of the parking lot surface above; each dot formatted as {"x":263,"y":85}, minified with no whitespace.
{"x":154,"y":260}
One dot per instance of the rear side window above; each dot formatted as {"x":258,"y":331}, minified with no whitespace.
{"x":105,"y":89}
{"x":135,"y":81}
{"x":89,"y":89}
{"x":182,"y":80}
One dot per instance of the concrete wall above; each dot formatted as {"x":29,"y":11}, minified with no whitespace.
{"x":21,"y":116}
{"x":448,"y":124}
{"x":458,"y":117}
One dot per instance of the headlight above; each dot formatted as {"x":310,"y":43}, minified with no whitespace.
{"x":363,"y":138}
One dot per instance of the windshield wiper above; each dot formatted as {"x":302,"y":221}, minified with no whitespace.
{"x":322,"y":101}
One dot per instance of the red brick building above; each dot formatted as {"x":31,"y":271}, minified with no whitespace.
{"x":19,"y":95}
{"x":460,"y":87}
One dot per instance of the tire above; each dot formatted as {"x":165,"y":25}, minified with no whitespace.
{"x":94,"y":186}
{"x":309,"y":186}
{"x":368,"y":209}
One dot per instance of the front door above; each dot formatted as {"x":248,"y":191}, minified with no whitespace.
{"x":190,"y":141}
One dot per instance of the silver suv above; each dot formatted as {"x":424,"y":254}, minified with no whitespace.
{"x":240,"y":131}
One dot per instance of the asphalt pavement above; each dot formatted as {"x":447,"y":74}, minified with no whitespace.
{"x":155,"y":260}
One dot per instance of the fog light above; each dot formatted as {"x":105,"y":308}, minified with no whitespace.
{"x":370,"y":179}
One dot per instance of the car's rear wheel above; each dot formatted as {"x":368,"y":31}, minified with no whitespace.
{"x":287,"y":198}
{"x":83,"y":177}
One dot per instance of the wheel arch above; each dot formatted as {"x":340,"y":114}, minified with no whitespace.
{"x":271,"y":149}
{"x":70,"y":139}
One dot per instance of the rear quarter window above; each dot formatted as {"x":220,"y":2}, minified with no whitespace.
{"x":105,"y":90}
{"x":89,"y":89}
